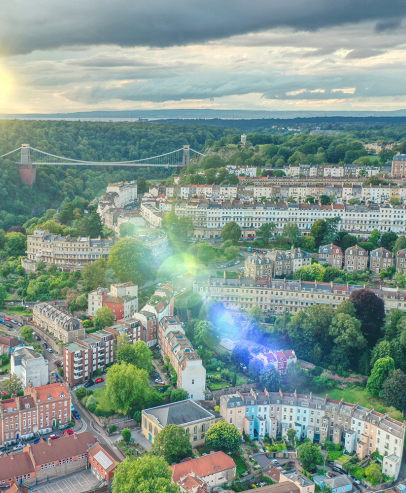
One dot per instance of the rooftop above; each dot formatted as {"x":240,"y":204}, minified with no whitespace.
{"x":203,"y":466}
{"x":179,"y":413}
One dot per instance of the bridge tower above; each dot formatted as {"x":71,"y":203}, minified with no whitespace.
{"x":27,"y":171}
{"x":186,"y":155}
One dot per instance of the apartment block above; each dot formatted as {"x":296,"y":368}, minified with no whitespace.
{"x":126,"y":192}
{"x":380,"y":259}
{"x":67,"y":253}
{"x":60,"y":324}
{"x":258,"y":266}
{"x":186,"y":362}
{"x":279,"y":295}
{"x":37,"y":411}
{"x":122,"y":300}
{"x":356,"y":259}
{"x":399,"y":165}
{"x":359,"y":429}
{"x":83,"y":357}
{"x":286,"y":262}
{"x":332,"y":255}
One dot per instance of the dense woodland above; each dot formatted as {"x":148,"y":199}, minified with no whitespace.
{"x":85,"y":141}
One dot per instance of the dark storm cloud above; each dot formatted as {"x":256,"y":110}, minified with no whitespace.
{"x":26,"y":25}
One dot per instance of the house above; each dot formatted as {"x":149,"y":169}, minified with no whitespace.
{"x":103,"y":462}
{"x":391,"y":465}
{"x":284,"y":487}
{"x":195,"y":419}
{"x":338,"y":484}
{"x":60,"y":324}
{"x":332,"y":255}
{"x":278,"y":359}
{"x":193,"y":484}
{"x":356,"y":259}
{"x":30,"y":366}
{"x":304,"y":484}
{"x":380,"y":259}
{"x":8,"y":344}
{"x":214,"y":469}
{"x":122,"y":300}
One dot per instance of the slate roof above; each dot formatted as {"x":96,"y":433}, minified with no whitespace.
{"x":179,"y":413}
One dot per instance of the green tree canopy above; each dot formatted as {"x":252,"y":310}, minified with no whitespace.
{"x":103,"y":318}
{"x":206,"y":335}
{"x":172,"y":443}
{"x":394,"y":390}
{"x":310,"y":456}
{"x":132,"y":261}
{"x":126,"y":386}
{"x":13,"y":384}
{"x":147,"y":474}
{"x":346,"y":331}
{"x":26,"y":333}
{"x":271,"y":379}
{"x":291,"y":231}
{"x":265,"y":232}
{"x":94,"y":274}
{"x":179,"y":395}
{"x":223,"y":436}
{"x":16,"y":244}
{"x":370,"y":311}
{"x":231,"y":231}
{"x":380,"y":372}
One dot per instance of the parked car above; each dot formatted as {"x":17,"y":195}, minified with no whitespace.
{"x":68,"y":432}
{"x":6,"y":319}
{"x":76,"y":414}
{"x":337,"y":469}
{"x":49,"y":350}
{"x":158,"y":380}
{"x":9,"y":325}
{"x":3,"y":393}
{"x":54,"y":436}
{"x":18,"y":447}
{"x":275,"y":461}
{"x":161,"y":389}
{"x":89,"y":383}
{"x":37,"y":440}
{"x":99,"y":380}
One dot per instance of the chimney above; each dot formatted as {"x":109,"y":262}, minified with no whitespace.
{"x":11,"y":455}
{"x":75,"y":436}
{"x":49,"y":441}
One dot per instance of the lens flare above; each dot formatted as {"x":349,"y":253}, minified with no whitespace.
{"x":6,"y":84}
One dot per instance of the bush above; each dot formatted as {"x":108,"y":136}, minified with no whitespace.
{"x":126,"y":434}
{"x":80,"y":393}
{"x":111,"y":429}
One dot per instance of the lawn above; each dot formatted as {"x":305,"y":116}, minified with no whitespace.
{"x":101,"y":397}
{"x":360,"y":395}
{"x":241,"y":467}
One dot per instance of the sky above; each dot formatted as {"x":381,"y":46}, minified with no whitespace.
{"x":87,"y":55}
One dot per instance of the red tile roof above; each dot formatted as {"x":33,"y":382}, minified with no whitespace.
{"x":96,"y":448}
{"x":203,"y":466}
{"x":54,"y":390}
{"x":15,"y":465}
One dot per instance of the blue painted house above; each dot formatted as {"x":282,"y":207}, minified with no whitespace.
{"x":338,"y":484}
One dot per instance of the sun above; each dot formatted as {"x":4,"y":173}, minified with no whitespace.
{"x":6,"y":84}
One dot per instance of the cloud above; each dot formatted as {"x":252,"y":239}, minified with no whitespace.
{"x":26,"y":26}
{"x":363,"y":53}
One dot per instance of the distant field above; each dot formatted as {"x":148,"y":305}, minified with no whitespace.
{"x":354,"y":395}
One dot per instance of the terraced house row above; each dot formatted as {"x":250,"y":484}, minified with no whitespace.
{"x":279,"y":295}
{"x":357,"y":428}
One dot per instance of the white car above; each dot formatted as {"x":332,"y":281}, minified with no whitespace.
{"x":49,"y":350}
{"x":158,"y":380}
{"x":275,"y":461}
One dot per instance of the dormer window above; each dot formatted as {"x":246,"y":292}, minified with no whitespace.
{"x":27,"y":406}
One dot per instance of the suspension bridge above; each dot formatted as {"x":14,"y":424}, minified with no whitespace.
{"x":31,"y":158}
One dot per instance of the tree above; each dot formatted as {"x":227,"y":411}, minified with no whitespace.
{"x":127,"y":229}
{"x":325,"y":199}
{"x":256,"y":366}
{"x":240,"y":354}
{"x":223,"y":436}
{"x":103,"y":318}
{"x":179,"y":395}
{"x":370,"y":310}
{"x":291,"y":433}
{"x":13,"y":384}
{"x":147,"y":474}
{"x":388,"y":240}
{"x":172,"y":443}
{"x":132,"y":261}
{"x":80,"y":392}
{"x":373,"y":473}
{"x":126,"y":386}
{"x":266,"y":232}
{"x":271,"y":379}
{"x":346,"y":331}
{"x":346,"y":307}
{"x":141,"y":185}
{"x":231,"y":231}
{"x":380,"y":372}
{"x":291,"y":231}
{"x":138,"y":354}
{"x":3,"y":294}
{"x":91,"y":225}
{"x":382,"y":350}
{"x":395,"y":201}
{"x":312,"y":272}
{"x":16,"y":244}
{"x":391,"y":327}
{"x":318,"y":231}
{"x":310,"y":456}
{"x":394,"y":390}
{"x":94,"y":274}
{"x":400,"y":244}
{"x":256,"y":314}
{"x":206,"y":335}
{"x":26,"y":333}
{"x":126,"y":434}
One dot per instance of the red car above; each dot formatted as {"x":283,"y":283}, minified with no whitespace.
{"x":4,"y":393}
{"x":6,"y":319}
{"x":54,"y":436}
{"x":99,"y":380}
{"x":69,"y":432}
